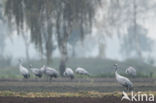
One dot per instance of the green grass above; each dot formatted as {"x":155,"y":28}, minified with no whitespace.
{"x":97,"y":67}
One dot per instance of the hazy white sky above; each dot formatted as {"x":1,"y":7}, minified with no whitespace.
{"x":15,"y":47}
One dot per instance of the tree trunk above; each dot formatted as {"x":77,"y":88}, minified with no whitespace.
{"x":49,"y":45}
{"x":101,"y":48}
{"x":138,"y":50}
{"x":63,"y":51}
{"x":48,"y":51}
{"x":27,"y":52}
{"x":73,"y":51}
{"x":62,"y":39}
{"x":62,"y":65}
{"x":26,"y":42}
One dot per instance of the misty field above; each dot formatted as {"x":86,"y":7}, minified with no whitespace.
{"x":99,"y":87}
{"x":96,"y":66}
{"x":76,"y":51}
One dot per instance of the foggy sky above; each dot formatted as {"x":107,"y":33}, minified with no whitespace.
{"x":15,"y":46}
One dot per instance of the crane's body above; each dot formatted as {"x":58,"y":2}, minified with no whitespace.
{"x":69,"y":73}
{"x":50,"y":72}
{"x":81,"y":71}
{"x":131,"y":71}
{"x":37,"y":72}
{"x":24,"y":71}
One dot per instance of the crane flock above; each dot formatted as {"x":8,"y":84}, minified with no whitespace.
{"x":69,"y":73}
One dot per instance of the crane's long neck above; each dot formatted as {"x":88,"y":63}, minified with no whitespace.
{"x":20,"y":65}
{"x":116,"y":73}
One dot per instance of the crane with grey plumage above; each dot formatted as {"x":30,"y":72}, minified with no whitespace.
{"x":49,"y":72}
{"x":131,"y":71}
{"x":81,"y":71}
{"x":69,"y":73}
{"x":37,"y":72}
{"x":124,"y":81}
{"x":23,"y":70}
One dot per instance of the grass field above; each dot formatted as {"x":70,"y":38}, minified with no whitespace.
{"x":97,"y":67}
{"x":100,"y":87}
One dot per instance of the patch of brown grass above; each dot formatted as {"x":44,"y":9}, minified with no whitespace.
{"x":66,"y":94}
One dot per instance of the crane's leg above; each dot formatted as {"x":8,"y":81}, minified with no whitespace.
{"x":47,"y":79}
{"x":36,"y":78}
{"x":50,"y":78}
{"x":79,"y":81}
{"x":24,"y":77}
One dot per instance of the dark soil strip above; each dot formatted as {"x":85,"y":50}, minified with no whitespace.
{"x":106,"y":99}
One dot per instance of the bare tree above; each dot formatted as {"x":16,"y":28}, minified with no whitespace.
{"x":59,"y":17}
{"x":136,"y":35}
{"x":27,"y":45}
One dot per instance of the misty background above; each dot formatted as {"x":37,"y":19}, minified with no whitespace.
{"x":94,"y":36}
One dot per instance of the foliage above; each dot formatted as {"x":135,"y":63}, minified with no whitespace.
{"x":129,"y":44}
{"x":125,"y":18}
{"x":50,"y":18}
{"x":5,"y":61}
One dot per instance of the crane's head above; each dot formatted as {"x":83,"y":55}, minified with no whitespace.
{"x":30,"y":65}
{"x":20,"y":61}
{"x":115,"y":66}
{"x":43,"y":68}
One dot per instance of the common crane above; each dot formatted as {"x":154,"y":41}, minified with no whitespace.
{"x":23,"y":70}
{"x":81,"y":71}
{"x":124,"y":81}
{"x":131,"y":71}
{"x":69,"y":73}
{"x":50,"y":72}
{"x":37,"y":72}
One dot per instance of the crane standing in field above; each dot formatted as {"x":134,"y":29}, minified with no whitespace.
{"x":49,"y":72}
{"x":81,"y":71}
{"x":37,"y":72}
{"x":24,"y":71}
{"x":125,"y":82}
{"x":69,"y":73}
{"x":131,"y":71}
